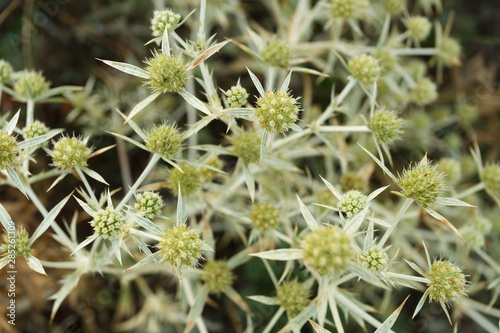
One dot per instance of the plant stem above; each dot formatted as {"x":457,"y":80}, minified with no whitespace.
{"x":401,"y":212}
{"x":470,"y":190}
{"x":138,"y":182}
{"x":87,"y":186}
{"x":30,"y":112}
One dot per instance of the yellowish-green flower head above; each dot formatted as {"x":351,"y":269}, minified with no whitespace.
{"x":327,"y":250}
{"x":217,"y":276}
{"x":277,"y":111}
{"x":6,"y":71}
{"x":31,"y":84}
{"x":35,"y":129}
{"x":264,"y":216}
{"x":447,"y":282}
{"x":449,"y":51}
{"x":150,"y":204}
{"x":164,"y":19}
{"x":352,"y":202}
{"x":167,"y":73}
{"x":374,"y":259}
{"x":19,"y":245}
{"x":293,"y":297}
{"x":385,"y":125}
{"x":423,"y":183}
{"x":425,"y":92}
{"x":70,"y":152}
{"x":165,"y":140}
{"x":491,"y":178}
{"x":246,"y":145}
{"x":189,"y":179}
{"x":237,"y":96}
{"x":8,"y":149}
{"x":418,"y":27}
{"x":107,"y":223}
{"x":276,"y":54}
{"x":180,"y":246}
{"x":364,"y":68}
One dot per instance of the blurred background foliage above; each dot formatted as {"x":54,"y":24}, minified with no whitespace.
{"x":63,"y":38}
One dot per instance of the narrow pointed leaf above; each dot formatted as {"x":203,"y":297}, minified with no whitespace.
{"x":317,"y":328}
{"x":452,"y":202}
{"x":70,"y":282}
{"x":415,"y":267}
{"x":57,"y":91}
{"x":195,"y":102}
{"x":197,"y":308}
{"x":165,"y":45}
{"x":381,"y":165}
{"x":206,"y":54}
{"x":257,"y":83}
{"x":35,"y":264}
{"x":132,"y":141}
{"x":249,"y":181}
{"x":375,"y":193}
{"x":12,"y":123}
{"x":237,"y":299}
{"x":58,"y":179}
{"x":4,"y":217}
{"x":15,"y":179}
{"x":147,"y":224}
{"x":93,"y":174}
{"x":145,"y":102}
{"x":420,"y":303}
{"x":280,"y":254}
{"x":47,"y":221}
{"x":264,"y":300}
{"x":153,"y":258}
{"x":85,"y":243}
{"x":332,"y":189}
{"x":181,"y":208}
{"x":33,"y":142}
{"x":196,"y":127}
{"x":117,"y":251}
{"x":311,"y":222}
{"x":127,"y":68}
{"x":85,"y":207}
{"x":391,"y":320}
{"x":286,"y":83}
{"x":132,"y":124}
{"x":442,"y":219}
{"x":263,"y":144}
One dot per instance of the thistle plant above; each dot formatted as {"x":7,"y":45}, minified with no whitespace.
{"x":281,"y":168}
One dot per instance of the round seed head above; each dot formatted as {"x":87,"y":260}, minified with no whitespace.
{"x":276,"y":54}
{"x":468,"y":113}
{"x":189,"y":180}
{"x":6,"y":71}
{"x":70,"y":152}
{"x":385,"y":125}
{"x":164,"y":19}
{"x":352,"y":202}
{"x":447,"y":282}
{"x":395,"y":7}
{"x":264,"y":216}
{"x":348,"y":9}
{"x":216,"y":276}
{"x":451,"y":169}
{"x":374,"y":259}
{"x":277,"y":111}
{"x":422,"y":183}
{"x":166,"y":73}
{"x":364,"y":68}
{"x":165,"y":140}
{"x":425,"y":92}
{"x":237,"y":96}
{"x":386,"y":61}
{"x":353,"y":181}
{"x":491,"y":178}
{"x":21,"y":241}
{"x":293,"y":297}
{"x":483,"y":225}
{"x":327,"y":250}
{"x":37,"y":128}
{"x":8,"y":149}
{"x":31,"y":84}
{"x":180,"y":246}
{"x":150,"y":204}
{"x":449,"y":51}
{"x":419,"y":27}
{"x":107,"y":223}
{"x":246,"y":145}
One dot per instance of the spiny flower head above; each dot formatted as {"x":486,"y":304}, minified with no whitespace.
{"x":347,"y":9}
{"x":276,"y":54}
{"x":447,"y":282}
{"x":491,"y":178}
{"x":364,"y":68}
{"x":264,"y":216}
{"x":374,"y":259}
{"x":246,"y":145}
{"x":70,"y":152}
{"x":423,"y":183}
{"x":217,"y":276}
{"x":386,"y":60}
{"x":31,"y":84}
{"x":451,"y":169}
{"x":21,"y":247}
{"x":385,"y":125}
{"x":150,"y":204}
{"x":449,"y":50}
{"x":107,"y":223}
{"x":293,"y":297}
{"x":418,"y":27}
{"x":164,"y":19}
{"x":483,"y":225}
{"x":327,"y":250}
{"x":425,"y":92}
{"x":236,"y":96}
{"x":37,"y":128}
{"x":165,"y":140}
{"x":395,"y":7}
{"x":180,"y":246}
{"x":189,"y":179}
{"x":352,"y":202}
{"x":8,"y":149}
{"x":277,"y":111}
{"x":166,"y":73}
{"x":472,"y":238}
{"x":6,"y":71}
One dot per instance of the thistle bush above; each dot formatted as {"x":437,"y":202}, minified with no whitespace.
{"x":251,"y":176}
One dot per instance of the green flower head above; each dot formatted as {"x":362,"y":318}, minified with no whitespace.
{"x":181,"y":247}
{"x":277,"y":111}
{"x":167,"y":73}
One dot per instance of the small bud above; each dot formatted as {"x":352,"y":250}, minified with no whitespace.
{"x":70,"y":152}
{"x":447,"y":282}
{"x":451,"y":169}
{"x":237,"y":96}
{"x":395,"y":7}
{"x":166,"y":73}
{"x":347,"y":9}
{"x":150,"y":204}
{"x":264,"y":216}
{"x":6,"y":71}
{"x":423,"y":183}
{"x":8,"y":149}
{"x":164,"y":140}
{"x":31,"y":84}
{"x":277,"y":111}
{"x":216,"y":276}
{"x":353,"y":181}
{"x":107,"y":223}
{"x":468,"y":113}
{"x":418,"y":27}
{"x":386,"y":61}
{"x":246,"y":145}
{"x":20,"y":245}
{"x":180,"y":246}
{"x":35,"y":129}
{"x":385,"y":126}
{"x":425,"y":92}
{"x":164,"y":19}
{"x":364,"y":68}
{"x":276,"y":54}
{"x":449,"y":51}
{"x":293,"y":297}
{"x":327,"y":250}
{"x":189,"y":179}
{"x":374,"y":259}
{"x":352,"y":202}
